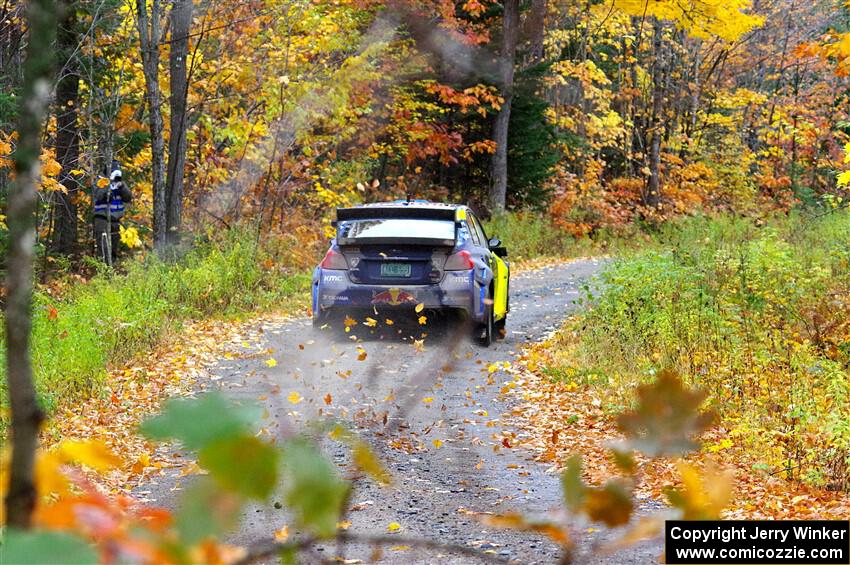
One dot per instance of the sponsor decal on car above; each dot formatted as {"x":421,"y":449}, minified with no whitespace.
{"x":393,"y":297}
{"x":332,"y":278}
{"x":454,"y":280}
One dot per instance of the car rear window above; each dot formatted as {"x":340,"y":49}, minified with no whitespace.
{"x":407,"y":230}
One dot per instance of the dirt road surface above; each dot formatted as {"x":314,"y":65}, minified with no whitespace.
{"x":435,"y":416}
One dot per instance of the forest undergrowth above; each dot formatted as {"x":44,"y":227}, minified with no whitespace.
{"x":755,"y":313}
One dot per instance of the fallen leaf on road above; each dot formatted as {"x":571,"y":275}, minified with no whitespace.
{"x":295,"y":397}
{"x":271,"y":362}
{"x":393,"y":527}
{"x":362,"y":506}
{"x":282,"y":534}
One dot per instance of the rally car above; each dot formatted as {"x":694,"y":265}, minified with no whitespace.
{"x":405,"y":254}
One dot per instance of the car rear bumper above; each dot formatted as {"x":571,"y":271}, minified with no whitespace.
{"x":458,"y":290}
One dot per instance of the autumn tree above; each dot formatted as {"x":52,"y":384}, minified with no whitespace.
{"x":181,"y":23}
{"x":534,"y":31}
{"x":507,"y":58}
{"x":67,"y":143}
{"x":149,"y":23}
{"x":38,"y":68}
{"x":655,"y":133}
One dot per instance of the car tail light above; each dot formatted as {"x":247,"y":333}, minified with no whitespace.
{"x":460,"y":261}
{"x":334,"y":260}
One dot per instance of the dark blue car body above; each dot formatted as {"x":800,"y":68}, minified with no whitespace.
{"x":406,"y":254}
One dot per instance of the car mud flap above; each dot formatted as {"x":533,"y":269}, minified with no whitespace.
{"x":482,"y":297}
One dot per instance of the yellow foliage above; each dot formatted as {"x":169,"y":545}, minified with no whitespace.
{"x":50,"y":167}
{"x":130,"y":237}
{"x":93,"y":454}
{"x":49,"y":476}
{"x":586,"y":72}
{"x":5,"y":151}
{"x":701,"y":497}
{"x":725,"y":19}
{"x":738,"y":98}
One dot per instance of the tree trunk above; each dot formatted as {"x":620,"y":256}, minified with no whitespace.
{"x":21,"y":209}
{"x":64,"y":236}
{"x":499,"y":163}
{"x":637,"y":119}
{"x":181,"y":23}
{"x":150,"y":35}
{"x":652,"y":197}
{"x":536,"y":31}
{"x":693,"y":109}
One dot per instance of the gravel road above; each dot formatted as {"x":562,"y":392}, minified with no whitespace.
{"x":437,"y":428}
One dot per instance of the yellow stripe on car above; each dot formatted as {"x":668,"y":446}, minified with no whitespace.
{"x":500,"y":288}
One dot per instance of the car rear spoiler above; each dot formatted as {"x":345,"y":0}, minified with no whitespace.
{"x":382,"y":212}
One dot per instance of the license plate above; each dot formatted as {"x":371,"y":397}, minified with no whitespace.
{"x":395,"y":270}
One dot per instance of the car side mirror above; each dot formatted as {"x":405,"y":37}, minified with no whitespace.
{"x":494,"y":242}
{"x":499,"y":251}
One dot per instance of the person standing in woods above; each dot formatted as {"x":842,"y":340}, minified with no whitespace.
{"x":109,"y":205}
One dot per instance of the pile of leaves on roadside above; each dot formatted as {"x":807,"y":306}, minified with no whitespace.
{"x":564,"y":416}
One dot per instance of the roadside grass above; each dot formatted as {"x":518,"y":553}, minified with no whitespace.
{"x":116,"y":316}
{"x":757,"y":315}
{"x":531,"y":236}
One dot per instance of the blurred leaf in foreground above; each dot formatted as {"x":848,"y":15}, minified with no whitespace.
{"x":666,"y":417}
{"x":206,"y":510}
{"x":515,"y":521}
{"x":246,"y":465}
{"x":701,"y":497}
{"x":313,"y":490}
{"x":45,"y":548}
{"x":572,"y":484}
{"x":611,"y":504}
{"x":368,"y":462}
{"x":200,"y":421}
